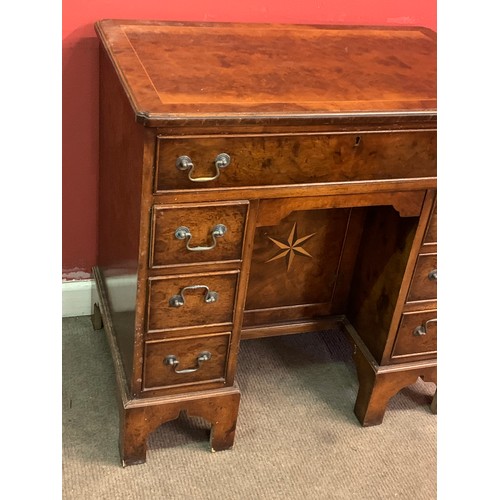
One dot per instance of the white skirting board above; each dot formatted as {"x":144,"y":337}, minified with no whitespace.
{"x":76,"y":296}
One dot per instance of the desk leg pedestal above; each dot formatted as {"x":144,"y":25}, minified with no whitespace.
{"x":138,"y":418}
{"x":378,"y":384}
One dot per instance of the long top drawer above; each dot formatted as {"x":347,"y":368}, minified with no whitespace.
{"x":270,"y":160}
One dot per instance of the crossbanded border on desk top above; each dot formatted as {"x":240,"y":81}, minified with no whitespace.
{"x":196,"y":69}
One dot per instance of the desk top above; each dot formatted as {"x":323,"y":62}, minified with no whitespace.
{"x":175,"y":71}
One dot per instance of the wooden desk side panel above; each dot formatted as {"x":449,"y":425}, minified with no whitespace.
{"x":380,"y":267}
{"x":121,"y":147}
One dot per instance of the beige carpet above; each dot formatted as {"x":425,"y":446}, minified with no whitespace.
{"x":297,"y":436}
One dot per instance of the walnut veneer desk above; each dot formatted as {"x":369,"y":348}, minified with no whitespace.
{"x":262,"y":180}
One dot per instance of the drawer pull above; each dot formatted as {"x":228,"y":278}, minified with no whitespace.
{"x":422,"y":329}
{"x":183,"y":232}
{"x":433,"y":275}
{"x":179,"y":300}
{"x":185,"y":163}
{"x":172,"y":360}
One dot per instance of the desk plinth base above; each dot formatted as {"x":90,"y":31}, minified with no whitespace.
{"x":139,"y":417}
{"x":379,"y":383}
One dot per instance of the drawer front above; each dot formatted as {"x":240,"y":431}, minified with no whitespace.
{"x":424,"y":282}
{"x":185,"y":361}
{"x":190,"y":163}
{"x":187,"y":301}
{"x":417,"y":334}
{"x":193,"y":234}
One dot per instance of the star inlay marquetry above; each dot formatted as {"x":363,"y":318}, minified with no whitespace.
{"x":291,"y":247}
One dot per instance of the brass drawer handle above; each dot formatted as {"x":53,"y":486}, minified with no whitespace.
{"x":179,"y":300}
{"x":433,"y":275}
{"x":185,"y":163}
{"x":183,"y":232}
{"x":422,"y":329}
{"x":171,"y":360}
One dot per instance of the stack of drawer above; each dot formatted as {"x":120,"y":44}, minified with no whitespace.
{"x":194,"y":266}
{"x":417,"y":334}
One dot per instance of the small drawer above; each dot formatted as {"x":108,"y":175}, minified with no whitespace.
{"x":417,"y":334}
{"x":424,"y":282}
{"x":269,"y":160}
{"x":189,"y":234}
{"x":191,"y":360}
{"x":180,"y":302}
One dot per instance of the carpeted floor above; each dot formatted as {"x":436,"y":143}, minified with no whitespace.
{"x":297,"y":436}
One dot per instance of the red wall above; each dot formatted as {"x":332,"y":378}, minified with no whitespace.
{"x":80,"y":84}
